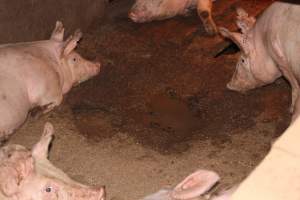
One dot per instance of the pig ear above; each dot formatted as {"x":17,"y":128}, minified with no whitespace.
{"x":12,"y":174}
{"x":244,"y":21}
{"x":195,"y":185}
{"x":239,"y":39}
{"x":71,"y":42}
{"x":40,"y":150}
{"x":58,"y":32}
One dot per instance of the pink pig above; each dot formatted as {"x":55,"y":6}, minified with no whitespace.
{"x":270,"y":49}
{"x":39,"y":74}
{"x":29,"y":175}
{"x":193,"y":187}
{"x":149,"y":10}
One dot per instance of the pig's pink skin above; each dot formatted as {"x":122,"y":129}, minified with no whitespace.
{"x":38,"y":74}
{"x":269,"y":50}
{"x":29,"y":175}
{"x":146,"y":11}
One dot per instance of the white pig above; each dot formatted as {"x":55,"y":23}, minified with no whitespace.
{"x":149,"y":10}
{"x":29,"y":175}
{"x":194,"y":187}
{"x":38,"y":74}
{"x":270,"y":49}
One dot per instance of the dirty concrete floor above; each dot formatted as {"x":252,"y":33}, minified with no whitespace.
{"x":159,"y":109}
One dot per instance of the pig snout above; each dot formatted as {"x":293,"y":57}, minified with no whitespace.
{"x":133,"y":16}
{"x":97,"y":67}
{"x":91,"y":194}
{"x":231,"y":86}
{"x":137,"y":17}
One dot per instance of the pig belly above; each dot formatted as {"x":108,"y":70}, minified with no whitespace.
{"x":14,"y":106}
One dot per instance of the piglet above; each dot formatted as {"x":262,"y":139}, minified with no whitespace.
{"x":38,"y":74}
{"x":29,"y":175}
{"x":194,"y":187}
{"x":149,"y":10}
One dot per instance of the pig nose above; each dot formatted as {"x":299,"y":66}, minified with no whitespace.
{"x":133,"y":16}
{"x":97,"y":67}
{"x":229,"y":86}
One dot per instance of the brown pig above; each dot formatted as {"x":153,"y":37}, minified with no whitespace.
{"x":29,"y":175}
{"x":38,"y":74}
{"x":149,"y":10}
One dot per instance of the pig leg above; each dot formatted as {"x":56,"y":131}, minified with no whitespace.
{"x":58,"y":32}
{"x":40,"y":150}
{"x":287,"y":73}
{"x":204,"y":8}
{"x":53,"y":104}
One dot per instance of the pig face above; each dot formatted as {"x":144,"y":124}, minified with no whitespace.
{"x":243,"y":79}
{"x":81,"y":68}
{"x":145,"y":10}
{"x":26,"y":175}
{"x":249,"y":72}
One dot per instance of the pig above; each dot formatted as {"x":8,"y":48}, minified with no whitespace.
{"x":149,"y":10}
{"x":38,"y":74}
{"x":193,"y":187}
{"x":269,"y":49}
{"x":29,"y":175}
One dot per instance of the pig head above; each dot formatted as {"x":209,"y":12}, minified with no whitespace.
{"x":193,"y":187}
{"x":255,"y":66}
{"x":29,"y":175}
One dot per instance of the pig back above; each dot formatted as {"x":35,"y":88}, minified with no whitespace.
{"x":280,"y":26}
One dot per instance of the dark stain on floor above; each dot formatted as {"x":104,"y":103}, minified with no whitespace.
{"x":162,"y":85}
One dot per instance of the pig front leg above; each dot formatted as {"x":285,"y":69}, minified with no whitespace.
{"x":50,"y":106}
{"x":204,"y":8}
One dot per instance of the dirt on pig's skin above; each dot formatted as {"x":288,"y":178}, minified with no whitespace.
{"x":160,"y":108}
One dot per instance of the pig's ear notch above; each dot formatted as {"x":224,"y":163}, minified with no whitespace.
{"x":239,"y":39}
{"x":71,"y":42}
{"x":244,"y":21}
{"x":40,"y":150}
{"x":58,"y":32}
{"x":196,"y":184}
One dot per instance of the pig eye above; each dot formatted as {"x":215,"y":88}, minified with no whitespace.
{"x":74,"y":59}
{"x":48,"y":189}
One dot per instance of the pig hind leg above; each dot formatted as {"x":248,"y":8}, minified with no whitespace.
{"x":204,"y":8}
